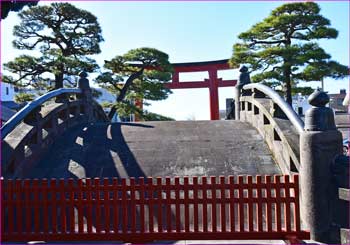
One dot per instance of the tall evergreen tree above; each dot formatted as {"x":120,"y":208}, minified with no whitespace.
{"x":281,"y":49}
{"x":65,"y":36}
{"x":137,"y":75}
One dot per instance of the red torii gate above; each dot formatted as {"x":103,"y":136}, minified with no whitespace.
{"x":213,"y":83}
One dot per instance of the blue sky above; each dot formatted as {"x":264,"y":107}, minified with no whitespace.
{"x":189,"y":32}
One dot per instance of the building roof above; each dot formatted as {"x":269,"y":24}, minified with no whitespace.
{"x":11,"y":105}
{"x":6,"y":113}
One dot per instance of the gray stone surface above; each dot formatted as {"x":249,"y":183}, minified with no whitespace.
{"x":157,"y":149}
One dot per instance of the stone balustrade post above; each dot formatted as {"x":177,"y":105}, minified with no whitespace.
{"x":243,"y":79}
{"x":84,"y":85}
{"x":320,"y":144}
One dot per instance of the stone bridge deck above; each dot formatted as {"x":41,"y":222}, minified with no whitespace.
{"x":157,"y":149}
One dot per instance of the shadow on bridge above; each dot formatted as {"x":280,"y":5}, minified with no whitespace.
{"x":99,"y":150}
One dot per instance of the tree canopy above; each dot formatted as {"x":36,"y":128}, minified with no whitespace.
{"x":64,"y":35}
{"x":138,"y":75}
{"x":281,"y":49}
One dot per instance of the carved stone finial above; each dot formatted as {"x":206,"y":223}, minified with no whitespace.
{"x":319,"y":117}
{"x":83,"y":74}
{"x":318,"y":98}
{"x":83,"y":82}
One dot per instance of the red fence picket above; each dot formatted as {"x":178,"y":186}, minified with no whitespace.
{"x":141,"y":210}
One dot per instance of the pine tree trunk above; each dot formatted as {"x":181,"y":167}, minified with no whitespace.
{"x":59,"y":80}
{"x":287,"y":76}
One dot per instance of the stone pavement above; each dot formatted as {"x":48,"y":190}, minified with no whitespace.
{"x":179,"y":148}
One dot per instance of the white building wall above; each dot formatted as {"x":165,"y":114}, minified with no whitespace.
{"x":7,"y":92}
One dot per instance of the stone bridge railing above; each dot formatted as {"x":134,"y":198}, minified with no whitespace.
{"x":27,"y":135}
{"x":312,"y":149}
{"x":276,"y":121}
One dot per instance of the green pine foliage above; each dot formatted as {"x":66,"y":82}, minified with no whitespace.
{"x":65,"y":36}
{"x":138,"y":75}
{"x":282,"y":50}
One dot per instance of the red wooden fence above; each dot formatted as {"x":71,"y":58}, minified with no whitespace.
{"x":140,"y":210}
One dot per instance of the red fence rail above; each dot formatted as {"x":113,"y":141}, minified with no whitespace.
{"x":140,"y":210}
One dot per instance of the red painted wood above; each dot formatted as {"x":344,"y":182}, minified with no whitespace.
{"x":62,"y":206}
{"x":168,"y":203}
{"x":159,"y":204}
{"x":142,"y":204}
{"x":287,"y":214}
{"x":177,"y":204}
{"x":296,"y":202}
{"x":89,"y":205}
{"x":46,"y":214}
{"x":223,"y":203}
{"x":28,"y":205}
{"x":186,"y":204}
{"x":205,"y":209}
{"x":269,"y":203}
{"x":195,"y":205}
{"x":259,"y":209}
{"x":124,"y":208}
{"x":232,"y":204}
{"x":278,"y":204}
{"x":213,"y":203}
{"x":250,"y":204}
{"x":71,"y":203}
{"x":80,"y":207}
{"x":9,"y":193}
{"x":106,"y":201}
{"x":241,"y":203}
{"x":151,"y":204}
{"x":107,"y":206}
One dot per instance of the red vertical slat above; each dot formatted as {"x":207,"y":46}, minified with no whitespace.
{"x":124,"y":206}
{"x":28,"y":205}
{"x":80,"y":206}
{"x":205,"y":201}
{"x":177,"y":204}
{"x":213,"y":203}
{"x":89,"y":205}
{"x":223,"y":204}
{"x":195,"y":205}
{"x":250,"y":203}
{"x":133,"y":205}
{"x":4,"y":203}
{"x":168,"y":201}
{"x":278,"y":203}
{"x":44,"y":188}
{"x":53,"y":193}
{"x":36,"y":205}
{"x":116,"y":205}
{"x":297,"y":205}
{"x":269,"y":203}
{"x":259,"y":197}
{"x":107,"y":205}
{"x":97,"y":192}
{"x":8,"y":191}
{"x":142,"y":204}
{"x":150,"y":206}
{"x":232,"y":203}
{"x":187,"y":204}
{"x":62,"y":205}
{"x":241,"y":204}
{"x":71,"y":203}
{"x":287,"y":219}
{"x":159,"y":204}
{"x":19,"y":205}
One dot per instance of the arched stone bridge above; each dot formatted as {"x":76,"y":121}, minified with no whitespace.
{"x":73,"y":138}
{"x":66,"y":134}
